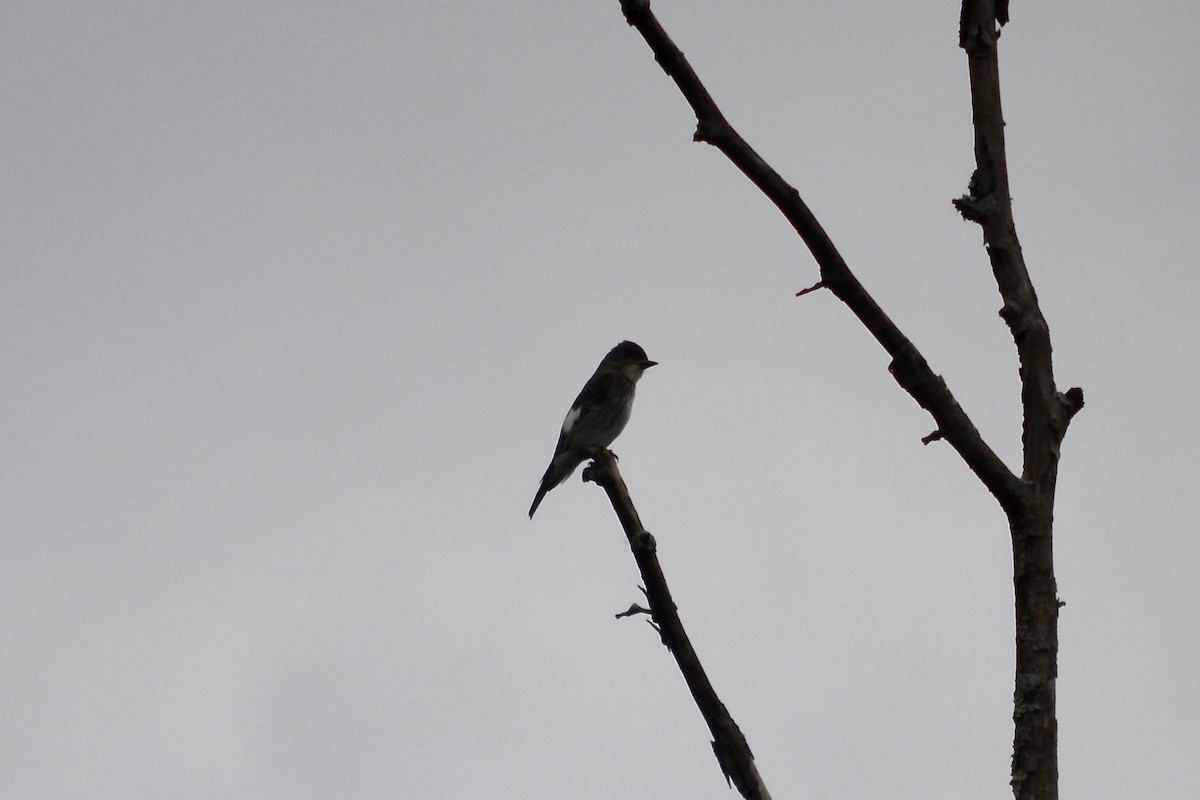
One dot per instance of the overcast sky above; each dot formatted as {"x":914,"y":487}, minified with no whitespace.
{"x":294,"y":298}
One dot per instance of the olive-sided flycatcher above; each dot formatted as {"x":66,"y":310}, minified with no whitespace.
{"x":597,"y":416}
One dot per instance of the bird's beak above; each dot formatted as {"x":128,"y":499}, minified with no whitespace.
{"x":649,"y":364}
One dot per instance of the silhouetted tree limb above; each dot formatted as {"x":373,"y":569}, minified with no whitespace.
{"x":908,"y":365}
{"x":729,"y":745}
{"x":1046,"y":414}
{"x":1028,"y":500}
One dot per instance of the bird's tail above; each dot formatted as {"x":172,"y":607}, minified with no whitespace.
{"x":537,"y":499}
{"x":561,"y":467}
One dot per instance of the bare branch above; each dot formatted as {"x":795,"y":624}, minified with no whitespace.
{"x":1046,"y":414}
{"x":632,"y":611}
{"x":1028,"y":501}
{"x":732,"y":752}
{"x":989,"y":203}
{"x":813,"y":288}
{"x":908,"y":366}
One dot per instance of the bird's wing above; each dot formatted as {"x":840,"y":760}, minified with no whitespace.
{"x":595,"y":394}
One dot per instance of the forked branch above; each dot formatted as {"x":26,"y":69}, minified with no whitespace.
{"x":1028,"y":500}
{"x":908,"y":366}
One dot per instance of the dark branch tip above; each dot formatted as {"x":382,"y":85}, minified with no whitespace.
{"x":633,"y":610}
{"x":1072,"y":401}
{"x":813,"y":288}
{"x":634,"y":10}
{"x":975,"y":209}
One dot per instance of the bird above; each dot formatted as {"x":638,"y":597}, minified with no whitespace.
{"x":597,"y":416}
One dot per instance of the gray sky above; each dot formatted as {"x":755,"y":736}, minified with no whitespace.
{"x":295,"y":296}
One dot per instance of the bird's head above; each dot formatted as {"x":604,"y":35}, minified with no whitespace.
{"x":630,"y":359}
